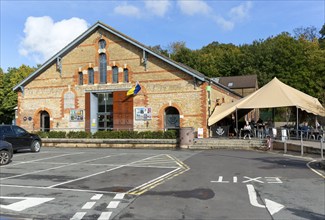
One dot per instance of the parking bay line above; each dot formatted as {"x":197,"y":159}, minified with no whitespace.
{"x":31,"y":161}
{"x":53,"y":168}
{"x":102,"y":172}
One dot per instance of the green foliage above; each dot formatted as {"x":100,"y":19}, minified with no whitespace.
{"x":297,"y":61}
{"x":135,"y":135}
{"x":42,"y":134}
{"x":8,"y":97}
{"x":57,"y":134}
{"x":78,"y":134}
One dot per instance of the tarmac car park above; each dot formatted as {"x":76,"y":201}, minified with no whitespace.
{"x":93,"y":183}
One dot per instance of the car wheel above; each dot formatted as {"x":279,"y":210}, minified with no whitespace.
{"x":36,"y":146}
{"x":4,"y":157}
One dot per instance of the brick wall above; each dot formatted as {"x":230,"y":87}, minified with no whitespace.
{"x":162,"y":86}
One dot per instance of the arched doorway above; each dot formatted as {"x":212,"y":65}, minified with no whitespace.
{"x":171,"y":118}
{"x":44,"y":121}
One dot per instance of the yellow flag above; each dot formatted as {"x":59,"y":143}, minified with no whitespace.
{"x":131,"y":91}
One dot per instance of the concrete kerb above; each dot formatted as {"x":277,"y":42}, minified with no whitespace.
{"x":111,"y":143}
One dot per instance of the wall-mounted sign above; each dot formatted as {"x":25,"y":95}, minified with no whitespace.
{"x":143,"y":113}
{"x":200,"y":133}
{"x":76,"y":115}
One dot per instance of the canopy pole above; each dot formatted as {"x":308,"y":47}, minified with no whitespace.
{"x":237,"y":124}
{"x":297,"y":124}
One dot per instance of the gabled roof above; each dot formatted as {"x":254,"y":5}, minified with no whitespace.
{"x":109,"y":29}
{"x":236,"y":82}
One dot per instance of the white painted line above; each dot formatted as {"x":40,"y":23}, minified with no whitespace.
{"x":78,"y":216}
{"x":60,"y":189}
{"x":53,"y":168}
{"x":95,"y":174}
{"x":271,"y":206}
{"x":315,"y":171}
{"x":119,"y":196}
{"x":253,"y":197}
{"x":113,"y":204}
{"x":46,"y":158}
{"x":88,"y":205}
{"x":85,"y":177}
{"x":105,"y":216}
{"x":97,"y":197}
{"x":153,"y":180}
{"x":24,"y":203}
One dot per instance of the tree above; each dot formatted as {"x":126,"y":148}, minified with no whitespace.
{"x":321,"y":39}
{"x":307,"y":33}
{"x":9,"y":97}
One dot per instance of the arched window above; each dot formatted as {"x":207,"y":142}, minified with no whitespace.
{"x":126,"y":75}
{"x":102,"y":44}
{"x":115,"y":74}
{"x":90,"y":76}
{"x":81,"y":78}
{"x":102,"y":68}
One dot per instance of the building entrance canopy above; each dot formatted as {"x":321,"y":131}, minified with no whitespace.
{"x":274,"y":94}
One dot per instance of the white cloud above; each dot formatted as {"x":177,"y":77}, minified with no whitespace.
{"x":158,"y":8}
{"x":44,"y":37}
{"x":127,"y":10}
{"x":240,"y":12}
{"x":194,"y":7}
{"x":223,"y":23}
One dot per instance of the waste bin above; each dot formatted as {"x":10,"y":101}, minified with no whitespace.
{"x":186,"y":136}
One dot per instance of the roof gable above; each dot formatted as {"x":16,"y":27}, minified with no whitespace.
{"x":109,"y":29}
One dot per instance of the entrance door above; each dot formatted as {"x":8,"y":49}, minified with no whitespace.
{"x":45,"y":121}
{"x":105,"y":111}
{"x":171,"y":118}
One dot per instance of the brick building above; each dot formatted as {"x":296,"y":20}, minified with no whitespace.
{"x":84,"y":86}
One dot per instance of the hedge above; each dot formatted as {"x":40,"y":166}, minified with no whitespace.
{"x":123,"y":134}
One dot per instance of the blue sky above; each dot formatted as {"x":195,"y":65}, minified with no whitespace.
{"x":33,"y":31}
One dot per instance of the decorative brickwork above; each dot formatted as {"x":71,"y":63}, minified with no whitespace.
{"x":162,"y":85}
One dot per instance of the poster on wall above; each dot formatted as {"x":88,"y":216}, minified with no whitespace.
{"x":143,"y":113}
{"x":76,"y":115}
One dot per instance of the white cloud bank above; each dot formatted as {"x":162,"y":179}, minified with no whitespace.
{"x":161,"y":8}
{"x":44,"y":37}
{"x":194,"y":7}
{"x":158,"y":8}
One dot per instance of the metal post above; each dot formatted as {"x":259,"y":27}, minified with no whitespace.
{"x":321,"y":148}
{"x":238,"y":133}
{"x":285,"y":146}
{"x":297,"y":124}
{"x":302,"y":145}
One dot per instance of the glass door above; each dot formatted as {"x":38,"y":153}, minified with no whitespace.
{"x":105,"y":111}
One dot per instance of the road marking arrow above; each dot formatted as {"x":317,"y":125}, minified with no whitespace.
{"x":271,"y":206}
{"x":24,"y":203}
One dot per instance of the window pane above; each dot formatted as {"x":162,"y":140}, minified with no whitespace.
{"x":91,"y":76}
{"x":115,"y":74}
{"x":81,"y":78}
{"x":126,"y":75}
{"x":103,"y":68}
{"x":102,"y":44}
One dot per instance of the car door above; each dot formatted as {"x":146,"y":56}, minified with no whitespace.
{"x":23,"y":138}
{"x":9,"y":135}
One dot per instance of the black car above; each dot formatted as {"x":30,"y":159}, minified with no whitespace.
{"x":5,"y":152}
{"x":20,"y":138}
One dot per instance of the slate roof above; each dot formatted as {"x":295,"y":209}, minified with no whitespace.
{"x":236,"y":82}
